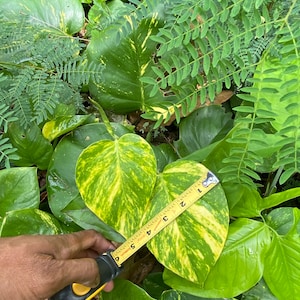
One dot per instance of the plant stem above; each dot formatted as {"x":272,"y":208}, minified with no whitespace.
{"x":270,"y":189}
{"x":103,"y":117}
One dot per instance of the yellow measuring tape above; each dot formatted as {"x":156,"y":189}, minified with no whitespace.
{"x":165,"y":217}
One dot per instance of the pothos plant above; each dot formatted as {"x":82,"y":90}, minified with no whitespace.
{"x":175,"y":62}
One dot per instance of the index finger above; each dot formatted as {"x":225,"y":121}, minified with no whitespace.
{"x":86,"y":243}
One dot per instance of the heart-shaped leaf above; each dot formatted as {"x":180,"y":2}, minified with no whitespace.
{"x":116,"y":179}
{"x":64,"y":198}
{"x":191,"y":244}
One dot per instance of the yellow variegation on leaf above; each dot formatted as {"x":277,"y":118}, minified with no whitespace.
{"x":190,"y":245}
{"x":116,"y":179}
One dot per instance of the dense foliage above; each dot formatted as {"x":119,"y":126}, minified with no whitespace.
{"x":110,"y":109}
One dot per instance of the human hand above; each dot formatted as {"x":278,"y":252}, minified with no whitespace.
{"x":36,"y":267}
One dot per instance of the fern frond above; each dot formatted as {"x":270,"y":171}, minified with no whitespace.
{"x":80,"y":72}
{"x":15,"y":42}
{"x":46,"y":68}
{"x":220,"y":44}
{"x":271,"y":100}
{"x":6,"y":152}
{"x":6,"y":116}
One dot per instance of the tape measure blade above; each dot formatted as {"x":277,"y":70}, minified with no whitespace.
{"x":166,"y":216}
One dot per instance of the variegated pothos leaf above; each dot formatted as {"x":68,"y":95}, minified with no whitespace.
{"x":191,"y":244}
{"x":116,"y":179}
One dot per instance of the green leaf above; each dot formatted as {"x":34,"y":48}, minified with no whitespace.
{"x":124,"y":289}
{"x":61,"y":125}
{"x":280,"y":197}
{"x":243,"y":200}
{"x":286,"y":92}
{"x":206,"y":64}
{"x":126,"y":61}
{"x":30,"y":221}
{"x":63,"y":195}
{"x":116,"y":179}
{"x":282,"y":263}
{"x":177,"y":295}
{"x":198,"y":131}
{"x":244,"y":109}
{"x":19,"y":189}
{"x":287,"y":174}
{"x":32,"y":147}
{"x":259,"y":291}
{"x":239,"y":267}
{"x":154,"y":284}
{"x":199,"y":233}
{"x":66,"y":16}
{"x":284,"y":220}
{"x":164,"y":154}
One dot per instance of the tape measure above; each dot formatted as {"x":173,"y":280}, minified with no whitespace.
{"x":110,"y":264}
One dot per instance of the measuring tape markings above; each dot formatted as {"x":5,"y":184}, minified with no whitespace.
{"x":165,"y":217}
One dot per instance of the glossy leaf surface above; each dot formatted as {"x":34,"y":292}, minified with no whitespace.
{"x":61,"y":125}
{"x":124,"y":289}
{"x":282,"y":265}
{"x":64,"y":198}
{"x":19,"y":189}
{"x":177,"y":295}
{"x":203,"y":127}
{"x":116,"y":179}
{"x":32,"y":148}
{"x":196,"y":238}
{"x":239,"y":267}
{"x":127,"y":58}
{"x":30,"y":221}
{"x":67,"y":16}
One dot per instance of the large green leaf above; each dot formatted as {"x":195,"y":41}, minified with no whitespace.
{"x":64,"y":198}
{"x":32,"y":147}
{"x":116,"y":179}
{"x":204,"y":126}
{"x":190,"y":245}
{"x":127,"y":56}
{"x":30,"y":221}
{"x":19,"y":189}
{"x":239,"y":267}
{"x":282,"y":264}
{"x":126,"y":290}
{"x":67,"y":16}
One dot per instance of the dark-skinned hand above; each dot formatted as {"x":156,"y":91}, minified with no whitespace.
{"x":36,"y":267}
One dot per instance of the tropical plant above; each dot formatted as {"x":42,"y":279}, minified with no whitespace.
{"x":224,"y":74}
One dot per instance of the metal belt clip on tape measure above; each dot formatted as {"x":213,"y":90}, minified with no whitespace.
{"x":110,"y":263}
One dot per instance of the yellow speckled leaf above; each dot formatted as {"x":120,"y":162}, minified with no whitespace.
{"x":116,"y":179}
{"x":191,"y":245}
{"x":61,"y":125}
